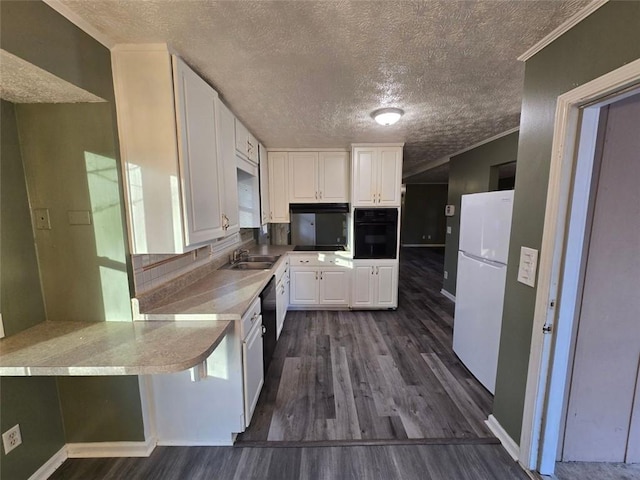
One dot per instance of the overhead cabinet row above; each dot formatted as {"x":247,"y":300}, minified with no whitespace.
{"x":375,"y":178}
{"x":178,"y":148}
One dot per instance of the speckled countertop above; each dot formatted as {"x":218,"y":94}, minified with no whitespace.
{"x":206,"y":310}
{"x":221,"y":295}
{"x":109,"y":348}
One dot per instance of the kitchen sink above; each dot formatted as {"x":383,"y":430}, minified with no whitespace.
{"x":250,"y":265}
{"x":260,"y":258}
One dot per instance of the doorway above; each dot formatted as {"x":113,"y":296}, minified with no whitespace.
{"x":571,"y":203}
{"x":601,"y":422}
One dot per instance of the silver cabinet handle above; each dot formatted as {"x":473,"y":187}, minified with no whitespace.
{"x":264,"y":330}
{"x":253,"y":318}
{"x":373,"y":270}
{"x":320,"y":193}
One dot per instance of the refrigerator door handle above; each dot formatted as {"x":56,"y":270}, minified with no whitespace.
{"x":491,"y":263}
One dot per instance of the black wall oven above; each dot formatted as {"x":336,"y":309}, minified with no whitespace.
{"x":375,"y":232}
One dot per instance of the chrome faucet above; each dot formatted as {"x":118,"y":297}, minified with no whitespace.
{"x":236,"y":256}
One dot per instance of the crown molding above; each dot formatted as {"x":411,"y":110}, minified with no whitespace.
{"x":446,"y":158}
{"x":563,"y":28}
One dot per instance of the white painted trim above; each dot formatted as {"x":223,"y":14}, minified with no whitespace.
{"x":448,"y":295}
{"x":562,"y":29}
{"x":111,"y":449}
{"x":51,"y":465}
{"x":80,"y":22}
{"x":445,"y":159}
{"x":507,"y":442}
{"x":552,"y":249}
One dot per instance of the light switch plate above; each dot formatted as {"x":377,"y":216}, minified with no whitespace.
{"x":528,"y":266}
{"x":42,"y":220}
{"x":450,"y":210}
{"x":448,"y":230}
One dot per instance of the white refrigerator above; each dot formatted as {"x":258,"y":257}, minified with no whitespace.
{"x":485,"y":225}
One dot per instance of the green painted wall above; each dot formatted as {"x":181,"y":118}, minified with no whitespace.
{"x":70,"y":164}
{"x":606,"y":40}
{"x":423,"y":214}
{"x":30,"y":402}
{"x":36,"y":33}
{"x":20,"y":293}
{"x":471,"y":172}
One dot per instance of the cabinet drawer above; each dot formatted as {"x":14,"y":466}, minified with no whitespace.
{"x":283,"y":270}
{"x":251,"y":316}
{"x":315,"y":260}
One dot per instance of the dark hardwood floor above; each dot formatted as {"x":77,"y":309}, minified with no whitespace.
{"x":377,"y":378}
{"x":373,"y":375}
{"x":392,"y":462}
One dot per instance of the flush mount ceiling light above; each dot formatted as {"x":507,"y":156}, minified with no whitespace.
{"x":387,"y":116}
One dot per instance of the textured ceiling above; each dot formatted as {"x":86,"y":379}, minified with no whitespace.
{"x":309,"y":73}
{"x":22,"y":82}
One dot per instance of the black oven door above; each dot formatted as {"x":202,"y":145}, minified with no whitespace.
{"x":375,"y":237}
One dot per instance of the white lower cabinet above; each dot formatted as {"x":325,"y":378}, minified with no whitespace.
{"x":319,"y":286}
{"x":375,"y":284}
{"x":282,"y":296}
{"x":210,"y":411}
{"x":253,"y":369}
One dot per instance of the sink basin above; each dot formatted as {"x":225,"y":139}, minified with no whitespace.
{"x":251,"y":266}
{"x":260,"y":258}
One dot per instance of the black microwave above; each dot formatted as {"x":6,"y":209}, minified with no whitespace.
{"x":375,"y":232}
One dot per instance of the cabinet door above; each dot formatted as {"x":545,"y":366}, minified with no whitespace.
{"x":386,"y":279}
{"x":334,"y":286}
{"x":280,"y":307}
{"x":242,"y":137}
{"x":264,"y":186}
{"x":389,"y":176}
{"x":278,"y":187}
{"x":333,"y":177}
{"x":225,"y":134}
{"x":287,"y":294}
{"x":304,"y":288}
{"x":364,"y":177}
{"x":253,"y":364}
{"x":200,"y":177}
{"x":362,"y":285}
{"x":252,"y":148}
{"x":303,"y":173}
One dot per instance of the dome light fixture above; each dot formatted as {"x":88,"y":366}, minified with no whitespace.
{"x":387,"y":116}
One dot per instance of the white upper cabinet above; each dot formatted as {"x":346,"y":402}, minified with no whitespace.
{"x":333,"y":177}
{"x":278,"y":187}
{"x":318,"y":177}
{"x":246,"y":144}
{"x":303,"y":177}
{"x":264,"y":185}
{"x":225,"y":133}
{"x":168,"y":141}
{"x":377,"y":176}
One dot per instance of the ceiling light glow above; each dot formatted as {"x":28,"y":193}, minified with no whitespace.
{"x":387,"y":116}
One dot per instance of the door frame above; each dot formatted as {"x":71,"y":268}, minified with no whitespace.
{"x":560,"y":260}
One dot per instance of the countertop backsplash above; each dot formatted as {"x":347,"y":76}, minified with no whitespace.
{"x":152,"y":271}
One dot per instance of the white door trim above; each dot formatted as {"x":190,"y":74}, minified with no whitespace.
{"x":567,"y":123}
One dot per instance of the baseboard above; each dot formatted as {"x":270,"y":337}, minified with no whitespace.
{"x":111,"y":449}
{"x":508,"y":444}
{"x":448,"y":295}
{"x":420,"y":245}
{"x":51,"y":465}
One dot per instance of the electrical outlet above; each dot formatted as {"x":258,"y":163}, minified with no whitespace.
{"x":446,"y":275}
{"x":11,"y":438}
{"x":43,"y":222}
